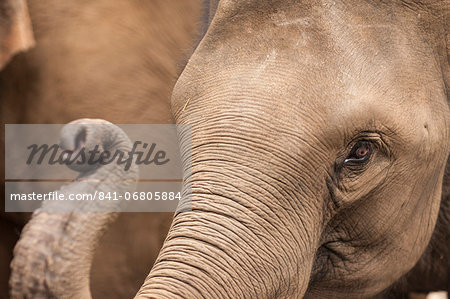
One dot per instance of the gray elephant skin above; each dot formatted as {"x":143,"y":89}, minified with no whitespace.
{"x":320,"y":139}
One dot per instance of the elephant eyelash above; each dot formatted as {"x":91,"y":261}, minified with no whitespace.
{"x":360,"y":153}
{"x":348,"y":164}
{"x":347,"y":159}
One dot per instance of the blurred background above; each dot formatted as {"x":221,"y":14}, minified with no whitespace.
{"x":62,"y":60}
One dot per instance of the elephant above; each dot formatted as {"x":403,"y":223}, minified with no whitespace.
{"x":65,"y":60}
{"x":92,"y":133}
{"x":320,"y":140}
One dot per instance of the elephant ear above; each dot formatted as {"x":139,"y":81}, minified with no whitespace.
{"x":16,"y":34}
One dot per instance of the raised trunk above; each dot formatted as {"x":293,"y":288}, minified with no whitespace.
{"x":54,"y":254}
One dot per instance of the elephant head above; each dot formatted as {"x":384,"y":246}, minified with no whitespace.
{"x":319,"y":141}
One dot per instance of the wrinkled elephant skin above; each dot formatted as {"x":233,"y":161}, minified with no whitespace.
{"x":320,"y":139}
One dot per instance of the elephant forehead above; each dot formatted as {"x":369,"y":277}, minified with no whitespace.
{"x":297,"y":50}
{"x":306,"y":67}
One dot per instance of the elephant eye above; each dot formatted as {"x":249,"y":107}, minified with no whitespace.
{"x":360,"y":153}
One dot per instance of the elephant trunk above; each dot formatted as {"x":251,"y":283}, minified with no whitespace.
{"x":245,"y":237}
{"x":208,"y":254}
{"x":54,"y":254}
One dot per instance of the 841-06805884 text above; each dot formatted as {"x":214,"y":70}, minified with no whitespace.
{"x":59,"y":196}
